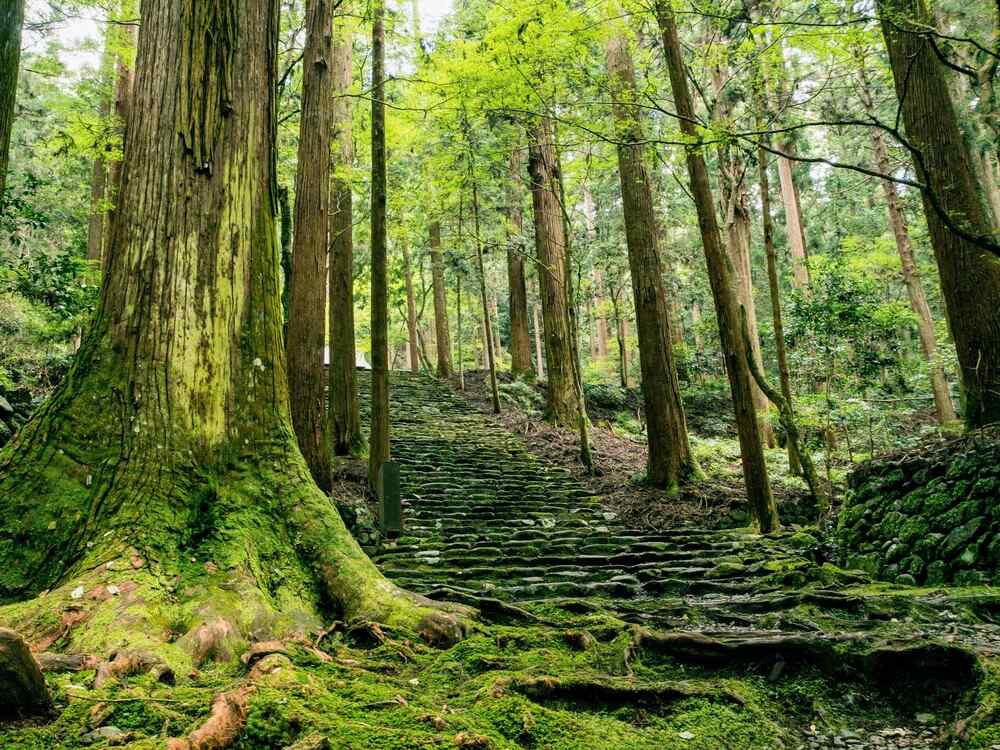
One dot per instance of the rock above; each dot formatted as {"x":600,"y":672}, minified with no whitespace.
{"x":22,"y":686}
{"x":110,"y":733}
{"x":310,"y":742}
{"x":937,"y":572}
{"x":686,"y":735}
{"x":960,"y":536}
{"x":6,"y":410}
{"x":906,"y":580}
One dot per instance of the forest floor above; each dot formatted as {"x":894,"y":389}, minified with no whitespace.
{"x":594,"y":633}
{"x":620,"y":457}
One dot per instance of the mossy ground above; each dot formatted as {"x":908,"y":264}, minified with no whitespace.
{"x":401,"y":694}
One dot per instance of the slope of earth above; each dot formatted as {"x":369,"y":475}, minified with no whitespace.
{"x":491,"y":524}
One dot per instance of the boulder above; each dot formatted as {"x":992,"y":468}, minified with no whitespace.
{"x":22,"y":688}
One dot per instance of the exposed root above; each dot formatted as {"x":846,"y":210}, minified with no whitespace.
{"x":490,"y":609}
{"x":125,"y":663}
{"x":886,"y":663}
{"x":609,"y":692}
{"x":52,"y":662}
{"x":229,"y":710}
{"x":214,"y":641}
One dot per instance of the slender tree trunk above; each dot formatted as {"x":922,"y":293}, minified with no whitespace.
{"x":669,"y":459}
{"x":11,"y":21}
{"x":699,"y":343}
{"x":794,"y":460}
{"x":793,"y":224}
{"x":911,"y":278}
{"x":307,"y":302}
{"x":378,"y":444}
{"x":411,"y":312}
{"x":539,"y":356}
{"x":98,"y":212}
{"x":723,"y":287}
{"x":343,"y":408}
{"x":989,"y":182}
{"x":520,"y":339}
{"x":550,"y":245}
{"x":600,"y":305}
{"x":442,"y":337}
{"x":970,"y":277}
{"x":461,"y":361}
{"x":736,"y":210}
{"x":490,"y":353}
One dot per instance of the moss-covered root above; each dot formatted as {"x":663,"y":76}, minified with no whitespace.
{"x":350,"y":580}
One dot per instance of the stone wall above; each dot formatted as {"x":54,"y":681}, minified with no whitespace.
{"x":929,"y":516}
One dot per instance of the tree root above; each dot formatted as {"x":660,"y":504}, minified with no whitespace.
{"x":490,"y":609}
{"x":609,"y":691}
{"x":885,"y":663}
{"x":229,"y":710}
{"x":125,"y":663}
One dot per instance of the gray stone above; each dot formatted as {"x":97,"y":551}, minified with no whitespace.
{"x":960,"y":536}
{"x":107,"y":733}
{"x":22,"y":686}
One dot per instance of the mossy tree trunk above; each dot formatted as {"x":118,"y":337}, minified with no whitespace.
{"x":520,"y":339}
{"x":721,"y":278}
{"x":561,"y":404}
{"x":378,"y":443}
{"x":343,"y":409}
{"x":669,"y":459}
{"x":170,"y":441}
{"x":11,"y":21}
{"x":307,"y":303}
{"x":442,"y":336}
{"x":970,"y":277}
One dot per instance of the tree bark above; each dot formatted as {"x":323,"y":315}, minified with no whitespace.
{"x":723,"y":287}
{"x":520,"y":339}
{"x":669,"y":459}
{"x":970,"y":278}
{"x":411,"y":312}
{"x":307,"y":302}
{"x":736,"y":210}
{"x":561,"y":404}
{"x":378,"y":443}
{"x":124,"y":86}
{"x":911,"y":278}
{"x":442,"y":337}
{"x":490,"y":352}
{"x":599,"y":348}
{"x":343,"y":408}
{"x":794,"y":459}
{"x":171,"y":435}
{"x":793,"y":223}
{"x":11,"y":21}
{"x":539,"y":356}
{"x":98,"y":212}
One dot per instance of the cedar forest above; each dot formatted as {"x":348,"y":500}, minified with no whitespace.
{"x":499,"y":374}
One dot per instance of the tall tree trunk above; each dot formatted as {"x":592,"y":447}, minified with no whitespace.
{"x":539,"y":356}
{"x":307,"y":303}
{"x":736,"y":211}
{"x":970,"y":278}
{"x":520,"y":339}
{"x":342,"y":408}
{"x":723,"y":287}
{"x":490,"y":352}
{"x":793,"y":223}
{"x":411,"y":312}
{"x":442,"y":337}
{"x":699,"y":342}
{"x":599,"y":349}
{"x":378,"y":443}
{"x":11,"y":21}
{"x":669,"y":459}
{"x":794,"y":460}
{"x":561,"y":404}
{"x":911,"y":278}
{"x":171,"y":435}
{"x":985,"y":161}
